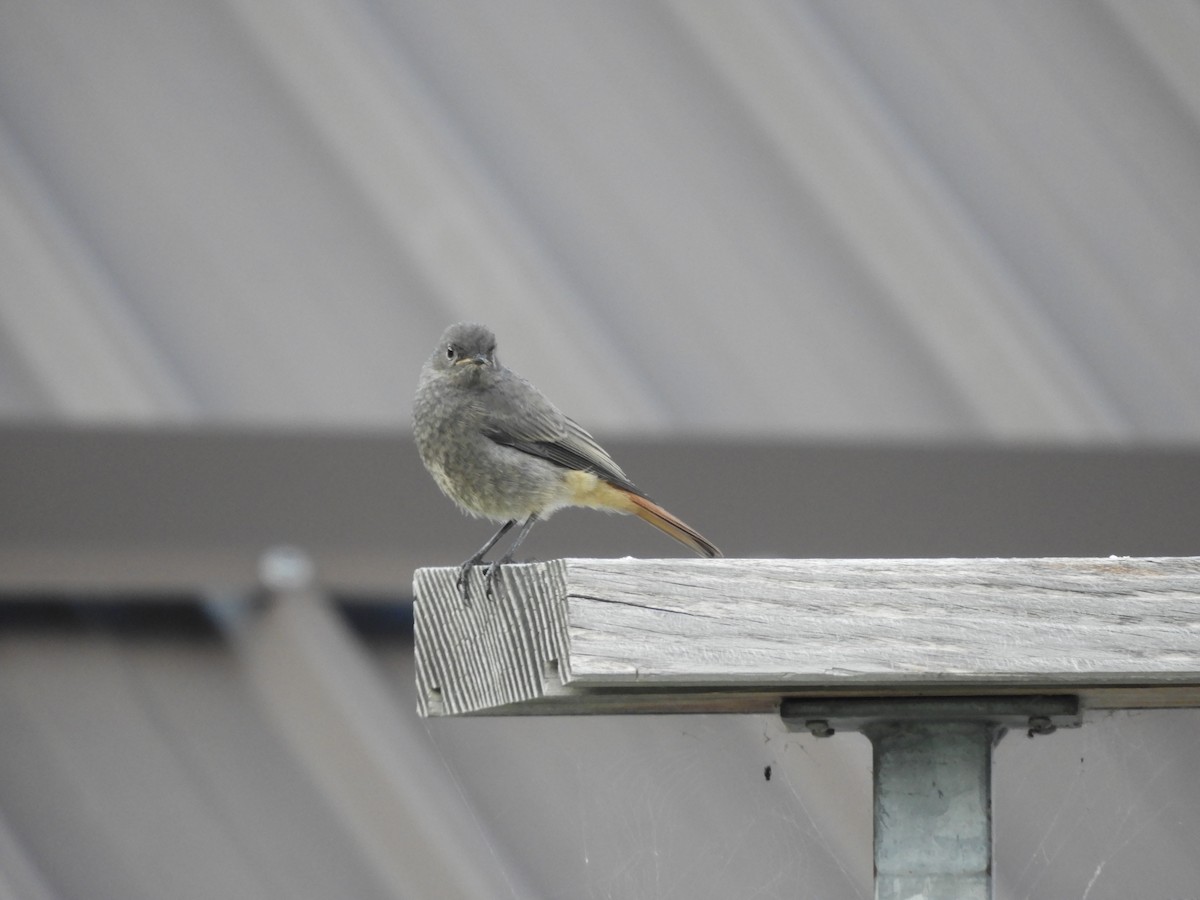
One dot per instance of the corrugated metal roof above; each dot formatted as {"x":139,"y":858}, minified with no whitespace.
{"x":931,"y":220}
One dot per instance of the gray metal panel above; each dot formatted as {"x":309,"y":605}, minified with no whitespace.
{"x":141,"y":767}
{"x":934,"y":220}
{"x":165,"y":510}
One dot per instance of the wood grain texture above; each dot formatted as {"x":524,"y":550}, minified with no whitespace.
{"x":583,"y":635}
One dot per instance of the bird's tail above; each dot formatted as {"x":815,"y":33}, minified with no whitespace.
{"x":651,"y":512}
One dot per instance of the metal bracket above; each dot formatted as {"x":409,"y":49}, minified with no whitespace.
{"x":1034,"y":714}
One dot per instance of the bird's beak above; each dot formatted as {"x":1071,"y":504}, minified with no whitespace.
{"x":473,"y":360}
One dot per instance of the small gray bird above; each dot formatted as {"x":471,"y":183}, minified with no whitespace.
{"x":499,"y":449}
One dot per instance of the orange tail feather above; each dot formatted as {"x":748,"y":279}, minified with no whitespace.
{"x":651,"y":512}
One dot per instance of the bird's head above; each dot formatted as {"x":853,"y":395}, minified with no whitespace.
{"x":466,"y":350}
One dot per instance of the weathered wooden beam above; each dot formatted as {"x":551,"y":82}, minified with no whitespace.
{"x":578,"y":636}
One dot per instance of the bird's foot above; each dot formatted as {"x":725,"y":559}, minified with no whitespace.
{"x":493,"y":573}
{"x":491,"y":577}
{"x":463,"y":581}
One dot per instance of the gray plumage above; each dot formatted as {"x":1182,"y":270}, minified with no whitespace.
{"x":499,"y":449}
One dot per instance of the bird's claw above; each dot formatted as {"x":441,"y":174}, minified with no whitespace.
{"x":489,"y":580}
{"x":463,"y":581}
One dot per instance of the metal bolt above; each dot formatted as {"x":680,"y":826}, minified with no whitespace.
{"x":1041,"y":725}
{"x":819,"y":727}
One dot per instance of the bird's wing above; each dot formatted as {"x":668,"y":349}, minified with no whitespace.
{"x":525,"y":420}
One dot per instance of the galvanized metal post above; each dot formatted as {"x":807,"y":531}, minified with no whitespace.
{"x":933,"y":781}
{"x":933,"y":809}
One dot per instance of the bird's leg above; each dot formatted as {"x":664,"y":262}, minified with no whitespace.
{"x":494,"y":569}
{"x":464,"y":571}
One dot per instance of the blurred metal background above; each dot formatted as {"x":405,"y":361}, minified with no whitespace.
{"x":829,"y":279}
{"x":809,"y":219}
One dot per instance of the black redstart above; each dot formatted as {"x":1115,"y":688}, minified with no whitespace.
{"x":499,"y":449}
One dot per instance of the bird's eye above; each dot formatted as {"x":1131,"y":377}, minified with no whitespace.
{"x":449,"y":353}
